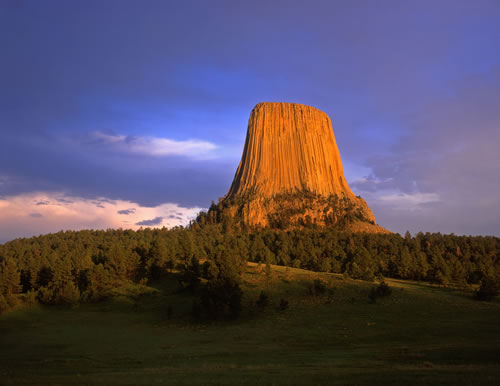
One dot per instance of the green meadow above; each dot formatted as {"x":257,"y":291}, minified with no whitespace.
{"x":420,"y":334}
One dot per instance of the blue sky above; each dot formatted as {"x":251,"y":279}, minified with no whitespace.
{"x":109,"y":106}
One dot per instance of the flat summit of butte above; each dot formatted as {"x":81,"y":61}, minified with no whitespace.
{"x":291,"y":175}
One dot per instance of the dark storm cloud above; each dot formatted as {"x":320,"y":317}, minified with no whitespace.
{"x":155,"y":221}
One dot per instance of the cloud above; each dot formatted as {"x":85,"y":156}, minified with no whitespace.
{"x":125,"y":211}
{"x":442,"y":175}
{"x":64,"y":200}
{"x":372,"y":184}
{"x":75,"y":213}
{"x":155,"y":221}
{"x":410,"y":202}
{"x":70,"y":166}
{"x":42,"y":203}
{"x":153,"y":146}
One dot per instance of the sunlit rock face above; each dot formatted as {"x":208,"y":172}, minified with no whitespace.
{"x":289,"y":147}
{"x":291,"y":175}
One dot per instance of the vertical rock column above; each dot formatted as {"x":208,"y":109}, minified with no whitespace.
{"x":289,"y":147}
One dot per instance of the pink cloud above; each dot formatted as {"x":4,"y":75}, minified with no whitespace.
{"x":22,"y":215}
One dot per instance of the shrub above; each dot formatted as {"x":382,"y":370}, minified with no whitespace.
{"x":488,"y":290}
{"x":380,"y":291}
{"x":268,"y":271}
{"x":191,"y":273}
{"x":30,"y":297}
{"x":330,"y":292}
{"x":263,"y":300}
{"x":66,"y":293}
{"x":317,"y":288}
{"x":220,"y":299}
{"x":4,"y":306}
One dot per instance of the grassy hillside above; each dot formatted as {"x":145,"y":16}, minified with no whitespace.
{"x":418,"y":334}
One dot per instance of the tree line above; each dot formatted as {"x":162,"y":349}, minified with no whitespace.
{"x":70,"y":267}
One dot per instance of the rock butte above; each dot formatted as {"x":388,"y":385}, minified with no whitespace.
{"x":289,"y":147}
{"x":290,"y":171}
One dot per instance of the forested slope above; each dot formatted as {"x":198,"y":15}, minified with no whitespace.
{"x":69,"y":267}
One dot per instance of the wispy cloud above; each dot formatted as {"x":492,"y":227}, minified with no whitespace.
{"x":154,"y":146}
{"x":407,"y":201}
{"x":372,"y":184}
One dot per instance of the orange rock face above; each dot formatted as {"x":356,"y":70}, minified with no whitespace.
{"x":291,"y":175}
{"x":289,"y":147}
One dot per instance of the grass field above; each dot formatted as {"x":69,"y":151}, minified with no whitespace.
{"x":421,"y":334}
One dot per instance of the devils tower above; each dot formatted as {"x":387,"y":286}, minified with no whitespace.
{"x":291,"y":175}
